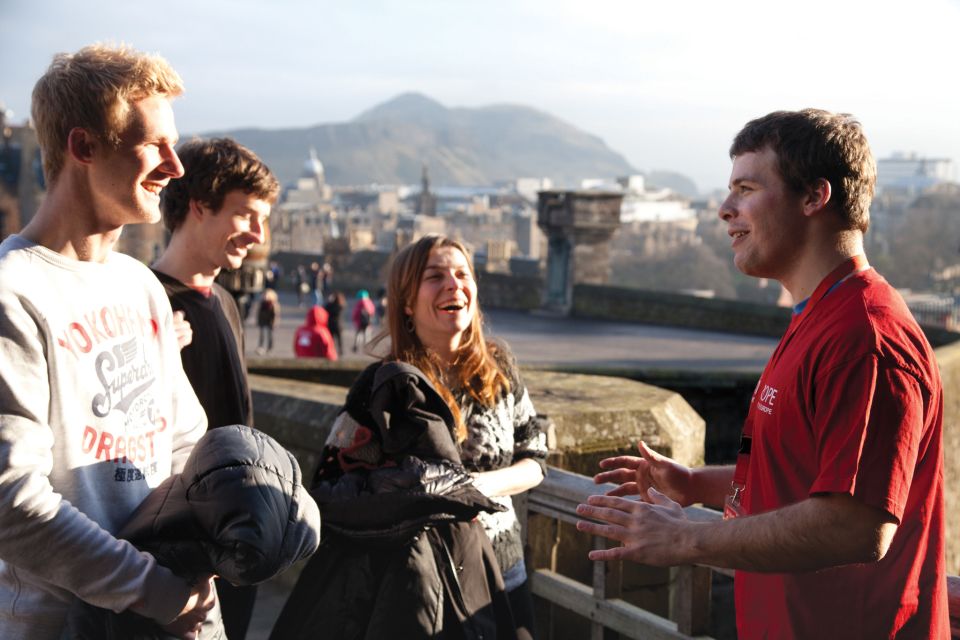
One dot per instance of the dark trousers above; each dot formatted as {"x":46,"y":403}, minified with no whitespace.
{"x":521,"y":605}
{"x":236,"y":605}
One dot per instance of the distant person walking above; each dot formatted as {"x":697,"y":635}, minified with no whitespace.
{"x":301,"y":283}
{"x":326,"y":281}
{"x":362,"y":316}
{"x":315,"y":281}
{"x":271,"y":277}
{"x":313,"y":339}
{"x":335,"y":305}
{"x":267,"y":316}
{"x":381,"y":305}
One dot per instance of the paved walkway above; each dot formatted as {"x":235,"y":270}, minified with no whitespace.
{"x":541,"y":339}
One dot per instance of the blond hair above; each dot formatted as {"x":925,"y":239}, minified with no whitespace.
{"x":93,"y":89}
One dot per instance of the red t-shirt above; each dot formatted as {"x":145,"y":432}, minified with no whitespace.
{"x":851,"y":403}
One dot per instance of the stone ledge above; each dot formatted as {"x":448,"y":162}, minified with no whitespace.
{"x":598,"y":415}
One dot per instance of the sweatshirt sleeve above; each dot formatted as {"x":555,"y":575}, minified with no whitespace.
{"x":43,"y":538}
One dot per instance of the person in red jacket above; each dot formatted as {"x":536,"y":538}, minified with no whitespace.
{"x":313,"y":339}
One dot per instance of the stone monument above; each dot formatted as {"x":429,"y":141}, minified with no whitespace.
{"x":579,"y":226}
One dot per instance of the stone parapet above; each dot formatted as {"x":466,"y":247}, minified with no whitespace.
{"x":339,"y":373}
{"x":501,"y":291}
{"x":595,"y":416}
{"x":678,"y":310}
{"x":297,"y":414}
{"x":948,"y":357}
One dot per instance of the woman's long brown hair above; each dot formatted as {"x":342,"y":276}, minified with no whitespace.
{"x":474,"y":369}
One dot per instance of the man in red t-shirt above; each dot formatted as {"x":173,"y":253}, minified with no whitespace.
{"x":834,"y":510}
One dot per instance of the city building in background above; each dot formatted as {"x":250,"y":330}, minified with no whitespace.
{"x":21,"y":174}
{"x":911,"y":174}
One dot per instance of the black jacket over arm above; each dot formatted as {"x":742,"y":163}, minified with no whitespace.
{"x":403,"y":556}
{"x":238,"y":510}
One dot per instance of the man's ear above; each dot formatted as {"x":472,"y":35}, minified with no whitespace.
{"x":817,"y":197}
{"x":81,"y":145}
{"x":196,"y":209}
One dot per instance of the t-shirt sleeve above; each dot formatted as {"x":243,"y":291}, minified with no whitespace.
{"x":869,"y":425}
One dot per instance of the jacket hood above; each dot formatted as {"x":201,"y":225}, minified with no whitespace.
{"x":317,"y":316}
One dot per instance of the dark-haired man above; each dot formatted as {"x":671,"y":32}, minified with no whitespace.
{"x":215,"y":213}
{"x":835,"y":506}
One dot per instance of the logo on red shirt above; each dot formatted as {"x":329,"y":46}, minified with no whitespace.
{"x":767,"y":397}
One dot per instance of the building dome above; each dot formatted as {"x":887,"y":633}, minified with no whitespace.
{"x":312,"y":167}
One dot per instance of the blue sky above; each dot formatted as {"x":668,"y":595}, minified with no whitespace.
{"x":666,"y":83}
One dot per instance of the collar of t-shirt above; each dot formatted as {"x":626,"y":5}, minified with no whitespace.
{"x":204,"y":291}
{"x":800,"y":306}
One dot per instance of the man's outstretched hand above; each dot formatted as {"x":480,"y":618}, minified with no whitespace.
{"x":652,"y":532}
{"x":635,"y":475}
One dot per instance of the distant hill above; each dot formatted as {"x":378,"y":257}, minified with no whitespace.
{"x":460,"y":146}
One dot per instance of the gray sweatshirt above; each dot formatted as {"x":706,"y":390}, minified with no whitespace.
{"x":95,"y":411}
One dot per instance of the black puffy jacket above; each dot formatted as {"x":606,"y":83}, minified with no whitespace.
{"x":238,"y":510}
{"x":402,"y":556}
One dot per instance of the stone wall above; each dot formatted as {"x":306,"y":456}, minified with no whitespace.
{"x":593,"y":416}
{"x":677,"y":310}
{"x":297,"y":414}
{"x":948,"y":357}
{"x":720,"y":398}
{"x":502,"y":291}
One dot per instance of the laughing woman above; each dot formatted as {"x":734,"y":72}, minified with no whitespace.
{"x":433,"y":438}
{"x":435,"y":324}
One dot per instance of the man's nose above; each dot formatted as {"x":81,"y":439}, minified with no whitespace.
{"x":726,"y":210}
{"x":171,"y":162}
{"x":258,"y":228}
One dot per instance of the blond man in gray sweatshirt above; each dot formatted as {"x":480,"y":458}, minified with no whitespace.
{"x":95,"y":409}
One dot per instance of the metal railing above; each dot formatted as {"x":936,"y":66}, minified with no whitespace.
{"x":558,"y":496}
